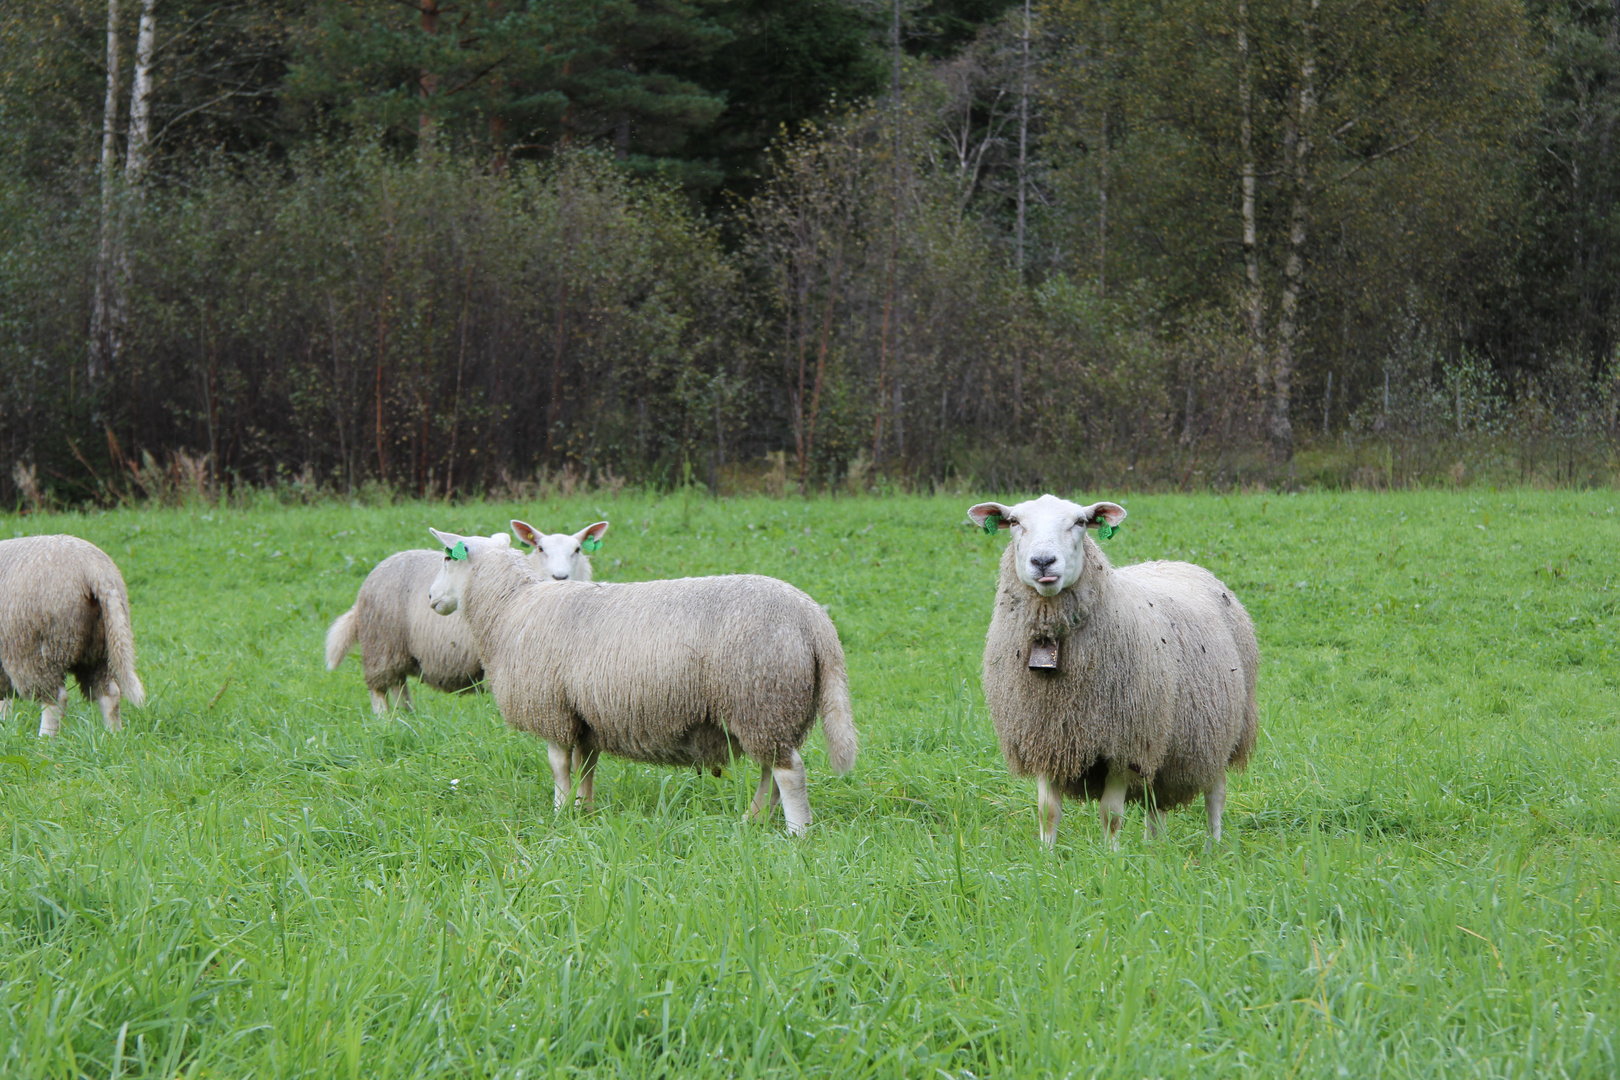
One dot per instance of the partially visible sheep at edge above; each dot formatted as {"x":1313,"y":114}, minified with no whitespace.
{"x":400,"y":636}
{"x":690,"y":671}
{"x":1153,"y":695}
{"x":64,"y":608}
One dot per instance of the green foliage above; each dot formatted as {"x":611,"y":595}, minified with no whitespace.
{"x":439,"y":247}
{"x":259,"y":876}
{"x":1413,"y":150}
{"x":1567,"y":293}
{"x":528,"y":74}
{"x":358,"y":316}
{"x":785,"y":62}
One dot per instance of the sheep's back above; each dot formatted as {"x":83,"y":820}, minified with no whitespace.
{"x":50,"y":622}
{"x":1217,"y":660}
{"x":657,"y":670}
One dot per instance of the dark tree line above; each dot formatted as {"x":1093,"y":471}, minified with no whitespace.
{"x":441,"y":247}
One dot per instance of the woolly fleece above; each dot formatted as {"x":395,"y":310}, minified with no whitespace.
{"x":1157,"y":670}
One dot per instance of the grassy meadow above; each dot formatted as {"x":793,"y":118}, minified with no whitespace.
{"x":258,"y":877}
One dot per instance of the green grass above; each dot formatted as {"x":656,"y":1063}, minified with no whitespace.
{"x":259,"y":877}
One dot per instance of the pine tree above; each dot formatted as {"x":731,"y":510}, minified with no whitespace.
{"x":522,"y":76}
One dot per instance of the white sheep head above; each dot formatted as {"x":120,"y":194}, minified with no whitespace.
{"x":560,"y":555}
{"x":1046,"y":536}
{"x":444,"y":595}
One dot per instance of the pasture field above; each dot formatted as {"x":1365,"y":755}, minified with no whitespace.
{"x":258,"y":877}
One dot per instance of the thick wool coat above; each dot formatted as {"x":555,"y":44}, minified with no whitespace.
{"x":689,"y":671}
{"x":1156,"y":674}
{"x":63,"y":608}
{"x":400,"y":635}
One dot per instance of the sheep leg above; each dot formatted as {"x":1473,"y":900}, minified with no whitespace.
{"x":1214,"y":806}
{"x":379,"y":701}
{"x":109,"y":706}
{"x":561,"y":757}
{"x":766,"y":798}
{"x":1112,"y":804}
{"x":402,"y":698}
{"x":50,"y":717}
{"x":585,"y":762}
{"x":5,"y":709}
{"x":1049,"y":807}
{"x":789,"y":779}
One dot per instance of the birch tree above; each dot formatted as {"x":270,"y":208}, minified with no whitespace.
{"x":104,"y":329}
{"x":1254,"y":300}
{"x":138,"y":153}
{"x":1297,"y":133}
{"x":1243,"y":131}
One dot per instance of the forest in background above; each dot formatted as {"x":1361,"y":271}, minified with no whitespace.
{"x":520,"y":245}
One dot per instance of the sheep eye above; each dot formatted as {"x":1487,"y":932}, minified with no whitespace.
{"x":1011,"y":522}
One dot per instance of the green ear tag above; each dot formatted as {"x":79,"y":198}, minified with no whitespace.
{"x":992,"y":522}
{"x":590,"y":545}
{"x":459,"y":552}
{"x":1104,"y":531}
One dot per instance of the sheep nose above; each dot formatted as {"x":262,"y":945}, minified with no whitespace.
{"x":1042,"y":563}
{"x":559,"y":577}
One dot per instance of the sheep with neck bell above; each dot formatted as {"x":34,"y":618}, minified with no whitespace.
{"x":688,"y":671}
{"x":1119,"y":684}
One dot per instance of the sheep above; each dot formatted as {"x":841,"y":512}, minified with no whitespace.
{"x":64,"y":607}
{"x":399,"y":635}
{"x":691,"y":671}
{"x":1104,"y":683}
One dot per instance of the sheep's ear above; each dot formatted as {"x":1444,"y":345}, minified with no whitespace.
{"x":447,"y":539}
{"x":984,"y":513}
{"x":525,"y":532}
{"x":501,"y":540}
{"x":590,"y":537}
{"x":1104,"y":513}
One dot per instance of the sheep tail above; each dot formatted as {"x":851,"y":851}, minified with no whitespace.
{"x":120,"y":635}
{"x":341,"y":637}
{"x":837,"y":718}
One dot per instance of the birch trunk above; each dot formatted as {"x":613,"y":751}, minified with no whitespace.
{"x":1103,"y":177}
{"x":140,"y":100}
{"x":1298,"y":139}
{"x":103,"y":334}
{"x":137,"y":155}
{"x":1254,"y":308}
{"x":894,"y":246}
{"x":1102,"y":205}
{"x":558,"y":355}
{"x":1023,"y":139}
{"x":808,"y":445}
{"x":427,"y":128}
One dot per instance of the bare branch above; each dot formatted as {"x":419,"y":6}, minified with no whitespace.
{"x":1384,"y":153}
{"x":173,"y":120}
